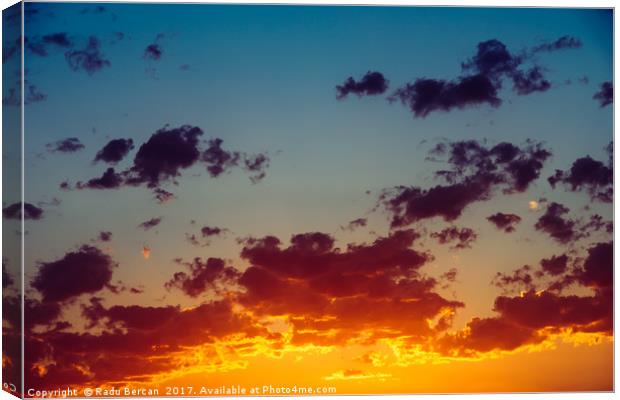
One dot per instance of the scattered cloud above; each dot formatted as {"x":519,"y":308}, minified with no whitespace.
{"x":371,"y":84}
{"x":150,"y":224}
{"x":114,"y":151}
{"x":589,"y":175}
{"x":505,"y":222}
{"x":14,"y":211}
{"x":86,"y":270}
{"x":462,"y":238}
{"x":90,"y":59}
{"x":605,"y":95}
{"x":68,"y":145}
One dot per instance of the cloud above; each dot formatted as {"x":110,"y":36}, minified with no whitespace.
{"x":114,"y":151}
{"x":133,"y":341}
{"x":363,"y":288}
{"x":90,"y":59}
{"x":14,"y":211}
{"x":564,"y":42}
{"x":482,"y":78}
{"x":32,"y":94}
{"x":371,"y":84}
{"x":505,"y":222}
{"x":208,"y":231}
{"x":86,"y":270}
{"x":256,"y":164}
{"x":356,"y":223}
{"x":149,"y":224}
{"x":463,"y":237}
{"x":487,"y":334}
{"x":411,"y":204}
{"x":60,"y":39}
{"x":154,"y":50}
{"x":555,"y":265}
{"x":530,"y":81}
{"x":163,"y":196}
{"x":105,"y":236}
{"x":533,"y":315}
{"x":109,"y":180}
{"x":424,"y":96}
{"x":589,"y":175}
{"x":164,"y":155}
{"x":474,"y":171}
{"x":520,"y":278}
{"x":217,"y":159}
{"x":597,"y":270}
{"x":203,"y":275}
{"x":605,"y":95}
{"x":555,"y":224}
{"x":68,"y":145}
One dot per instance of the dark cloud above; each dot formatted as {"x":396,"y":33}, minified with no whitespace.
{"x":60,"y":39}
{"x":475,"y":170}
{"x":256,"y":164}
{"x":356,"y":223}
{"x":505,"y":222}
{"x":555,"y":223}
{"x":203,"y":275}
{"x":486,"y":334}
{"x":530,"y":81}
{"x":89,"y":59}
{"x":482,"y":78}
{"x":522,"y":278}
{"x":217,"y":159}
{"x":424,"y":96}
{"x":463,"y":237}
{"x":363,"y":287}
{"x":86,"y":270}
{"x":589,"y":175}
{"x":151,"y":223}
{"x":68,"y":145}
{"x":105,"y":236}
{"x":411,"y":204}
{"x":493,"y":60}
{"x":564,"y":42}
{"x":163,"y":196}
{"x":115,"y":150}
{"x":597,"y":270}
{"x":32,"y":94}
{"x":556,"y":265}
{"x":371,"y":84}
{"x":109,"y":180}
{"x":208,"y":231}
{"x":537,"y":310}
{"x":167,"y":152}
{"x":533,"y":315}
{"x":153,"y":51}
{"x":605,"y":95}
{"x":161,"y":158}
{"x":14,"y":211}
{"x":132,"y":341}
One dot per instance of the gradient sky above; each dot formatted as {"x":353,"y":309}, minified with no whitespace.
{"x":263,"y":79}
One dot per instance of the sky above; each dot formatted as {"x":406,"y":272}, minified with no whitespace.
{"x":372,"y":199}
